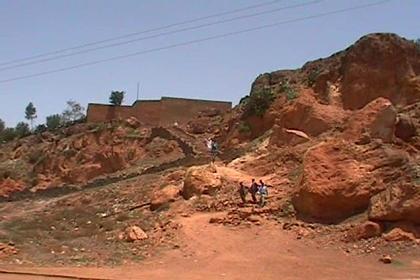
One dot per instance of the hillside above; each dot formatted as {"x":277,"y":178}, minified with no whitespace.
{"x":337,"y":141}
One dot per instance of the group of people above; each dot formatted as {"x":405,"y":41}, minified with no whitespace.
{"x":255,"y":189}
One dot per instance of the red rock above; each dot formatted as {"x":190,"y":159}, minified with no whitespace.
{"x":387,"y":259}
{"x":8,"y":186}
{"x":309,"y":116}
{"x":335,"y":183}
{"x":405,"y":128}
{"x":164,"y":196}
{"x":135,"y":233}
{"x":133,"y":122}
{"x":6,"y":250}
{"x":364,"y":231}
{"x":379,"y":65}
{"x":398,"y":234}
{"x":377,"y":120}
{"x":201,"y":180}
{"x":396,"y":203}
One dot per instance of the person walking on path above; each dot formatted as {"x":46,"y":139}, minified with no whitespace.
{"x":263,"y":192}
{"x":253,"y":190}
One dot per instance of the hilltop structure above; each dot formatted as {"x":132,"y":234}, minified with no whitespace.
{"x":166,"y":111}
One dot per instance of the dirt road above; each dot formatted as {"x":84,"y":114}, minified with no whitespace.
{"x":265,"y":252}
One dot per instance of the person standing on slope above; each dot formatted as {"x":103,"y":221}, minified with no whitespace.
{"x":253,"y":190}
{"x":263,"y":192}
{"x":242,"y":192}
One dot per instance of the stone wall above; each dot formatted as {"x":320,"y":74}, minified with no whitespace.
{"x":162,"y":112}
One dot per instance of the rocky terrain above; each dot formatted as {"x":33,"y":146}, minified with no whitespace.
{"x":337,"y":141}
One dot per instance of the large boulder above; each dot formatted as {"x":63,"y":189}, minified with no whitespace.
{"x":307,"y":115}
{"x":376,"y":120}
{"x":397,"y":203}
{"x":201,"y":180}
{"x":164,"y":196}
{"x":340,"y":177}
{"x":334,"y":183}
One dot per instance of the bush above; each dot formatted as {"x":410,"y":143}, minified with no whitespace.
{"x":288,"y":90}
{"x":258,"y":102}
{"x":35,"y":155}
{"x":8,"y":134}
{"x":40,"y":128}
{"x":313,"y":75}
{"x":2,"y":125}
{"x":244,"y":128}
{"x":54,"y":121}
{"x":22,"y":129}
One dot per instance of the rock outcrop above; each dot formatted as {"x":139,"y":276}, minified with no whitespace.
{"x":376,"y":120}
{"x":405,"y":128}
{"x":201,"y":180}
{"x":397,"y":203}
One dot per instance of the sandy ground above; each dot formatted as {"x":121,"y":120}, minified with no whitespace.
{"x":210,"y":251}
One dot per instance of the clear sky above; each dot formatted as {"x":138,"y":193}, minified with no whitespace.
{"x":219,"y":69}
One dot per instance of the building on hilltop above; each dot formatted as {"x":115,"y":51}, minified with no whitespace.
{"x":166,"y":111}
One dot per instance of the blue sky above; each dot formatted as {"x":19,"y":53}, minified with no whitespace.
{"x":219,"y":69}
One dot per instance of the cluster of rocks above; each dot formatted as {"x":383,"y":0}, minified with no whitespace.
{"x":7,"y":250}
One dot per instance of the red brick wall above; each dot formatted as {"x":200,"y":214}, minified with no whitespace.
{"x":102,"y":113}
{"x":183,"y":110}
{"x":147,"y":112}
{"x":155,"y":112}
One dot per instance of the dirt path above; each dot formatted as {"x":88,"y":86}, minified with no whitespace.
{"x":211,"y":251}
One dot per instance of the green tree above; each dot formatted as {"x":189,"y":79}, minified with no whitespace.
{"x":22,"y":129}
{"x":73,"y":112}
{"x":30,"y":113}
{"x":116,"y":97}
{"x":8,"y":134}
{"x":2,"y":125}
{"x":54,"y":121}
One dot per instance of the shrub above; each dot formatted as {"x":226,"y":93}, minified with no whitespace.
{"x":2,"y":125}
{"x":288,"y":90}
{"x":22,"y":129}
{"x":40,"y":128}
{"x":8,"y":134}
{"x":244,"y":128}
{"x":313,"y":75}
{"x":258,"y":102}
{"x":54,"y":121}
{"x":35,"y":155}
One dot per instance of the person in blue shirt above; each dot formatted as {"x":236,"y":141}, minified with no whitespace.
{"x":263,"y":193}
